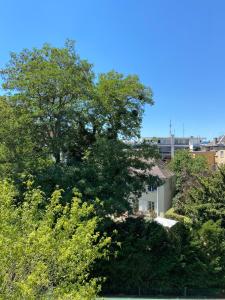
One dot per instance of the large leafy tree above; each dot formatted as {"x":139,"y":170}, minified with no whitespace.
{"x":47,"y":251}
{"x":76,"y":123}
{"x":68,"y":108}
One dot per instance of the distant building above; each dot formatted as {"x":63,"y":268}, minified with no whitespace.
{"x":208,"y":155}
{"x":220,"y":157}
{"x":221,"y":139}
{"x":213,"y":151}
{"x":216,"y":144}
{"x":168,"y":145}
{"x":158,"y":200}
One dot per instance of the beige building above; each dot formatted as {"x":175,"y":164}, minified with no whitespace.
{"x":208,"y":155}
{"x":214,"y":158}
{"x":220,"y":157}
{"x":158,"y":200}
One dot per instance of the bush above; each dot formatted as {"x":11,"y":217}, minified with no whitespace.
{"x":46,"y":251}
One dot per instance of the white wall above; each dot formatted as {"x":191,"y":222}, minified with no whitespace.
{"x":165,"y":194}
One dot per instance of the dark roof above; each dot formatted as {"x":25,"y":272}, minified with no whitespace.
{"x":156,"y":168}
{"x":161,"y":170}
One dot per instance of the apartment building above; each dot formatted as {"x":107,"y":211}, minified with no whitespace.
{"x":168,"y":145}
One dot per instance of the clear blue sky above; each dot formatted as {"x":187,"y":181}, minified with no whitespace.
{"x":177,"y":47}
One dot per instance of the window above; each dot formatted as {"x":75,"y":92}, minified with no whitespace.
{"x":222,"y":154}
{"x":152,"y":188}
{"x":151,"y":205}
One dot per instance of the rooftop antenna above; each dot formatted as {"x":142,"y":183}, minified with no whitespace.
{"x":171,"y":140}
{"x":170,"y":128}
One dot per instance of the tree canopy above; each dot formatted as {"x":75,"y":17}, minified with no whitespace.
{"x":187,"y":169}
{"x":47,"y":249}
{"x":68,"y":127}
{"x":68,"y":106}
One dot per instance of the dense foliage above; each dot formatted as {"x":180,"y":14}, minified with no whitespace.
{"x":47,"y":249}
{"x":68,"y":108}
{"x":72,"y":131}
{"x":187,"y":169}
{"x":67,"y":128}
{"x":205,"y":206}
{"x":203,"y":209}
{"x":149,"y":256}
{"x":189,"y":255}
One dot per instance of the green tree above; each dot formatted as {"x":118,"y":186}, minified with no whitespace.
{"x":205,"y":207}
{"x":187,"y":169}
{"x":47,"y":251}
{"x":207,"y":201}
{"x":112,"y":165}
{"x":69,"y":110}
{"x":75,"y":125}
{"x":111,"y":170}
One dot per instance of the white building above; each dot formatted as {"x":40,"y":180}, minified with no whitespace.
{"x":158,"y":200}
{"x":168,"y":145}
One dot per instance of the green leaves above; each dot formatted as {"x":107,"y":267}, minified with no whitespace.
{"x":120,"y":103}
{"x":207,"y":201}
{"x":203,"y":203}
{"x":187,"y":169}
{"x":66,"y":129}
{"x":19,"y":149}
{"x":52,"y":85}
{"x":47,"y":252}
{"x":68,"y":109}
{"x":146,"y":256}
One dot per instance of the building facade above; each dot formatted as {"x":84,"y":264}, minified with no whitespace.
{"x":168,"y":145}
{"x":220,"y":157}
{"x":158,"y":200}
{"x":208,"y":155}
{"x":213,"y":151}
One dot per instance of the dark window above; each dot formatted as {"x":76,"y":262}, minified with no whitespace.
{"x":152,"y":188}
{"x":151,"y":205}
